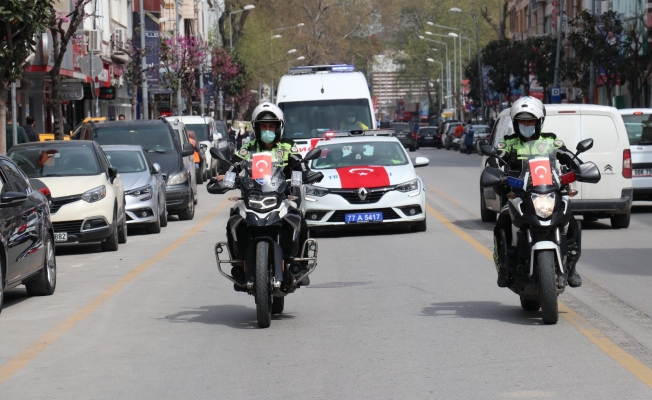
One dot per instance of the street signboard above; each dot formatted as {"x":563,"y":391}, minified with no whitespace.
{"x":85,"y":65}
{"x":72,"y":91}
{"x":555,"y":95}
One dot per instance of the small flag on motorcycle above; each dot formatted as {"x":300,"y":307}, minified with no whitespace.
{"x":261,"y":166}
{"x":540,"y":171}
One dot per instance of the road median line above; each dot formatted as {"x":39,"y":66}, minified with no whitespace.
{"x":17,"y":363}
{"x":622,"y":357}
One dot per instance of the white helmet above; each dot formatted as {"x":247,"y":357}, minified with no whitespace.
{"x":268,"y":112}
{"x":528,"y":108}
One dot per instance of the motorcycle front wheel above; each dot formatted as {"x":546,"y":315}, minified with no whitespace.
{"x":547,"y":286}
{"x":263,"y":298}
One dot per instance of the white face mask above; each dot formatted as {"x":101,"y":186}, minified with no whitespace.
{"x":527,"y":131}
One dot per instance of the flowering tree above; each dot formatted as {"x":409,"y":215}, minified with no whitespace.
{"x":63,"y":27}
{"x":181,"y":57}
{"x":230,"y":76}
{"x":134,"y":70}
{"x":20,"y":20}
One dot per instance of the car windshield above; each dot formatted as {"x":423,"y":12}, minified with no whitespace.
{"x":201,"y":131}
{"x":309,"y":119}
{"x":480,"y":128}
{"x":152,"y":138}
{"x":360,"y":153}
{"x":401,"y":127}
{"x":126,"y":161}
{"x":639,"y":128}
{"x":49,"y":161}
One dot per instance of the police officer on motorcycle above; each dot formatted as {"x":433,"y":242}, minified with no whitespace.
{"x":528,"y":114}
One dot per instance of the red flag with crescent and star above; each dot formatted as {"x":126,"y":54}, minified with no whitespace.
{"x":261,"y":166}
{"x":363,"y":176}
{"x":540,"y":171}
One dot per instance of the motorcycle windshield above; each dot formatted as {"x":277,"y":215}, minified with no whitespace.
{"x":267,"y":179}
{"x":539,"y":165}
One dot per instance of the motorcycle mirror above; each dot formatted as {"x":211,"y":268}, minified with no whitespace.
{"x":312,"y":154}
{"x":488,"y":150}
{"x":588,"y":172}
{"x":217,"y":154}
{"x":584,"y":145}
{"x":491,"y":177}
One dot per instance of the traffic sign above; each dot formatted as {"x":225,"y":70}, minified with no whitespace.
{"x":555,"y":95}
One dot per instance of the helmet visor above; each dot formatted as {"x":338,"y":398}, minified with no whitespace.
{"x":525,"y":116}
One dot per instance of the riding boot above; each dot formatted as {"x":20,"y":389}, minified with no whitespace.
{"x":574,"y":279}
{"x":503,"y":274}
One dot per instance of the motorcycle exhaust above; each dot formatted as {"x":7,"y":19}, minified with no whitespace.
{"x":237,"y":268}
{"x":309,"y":246}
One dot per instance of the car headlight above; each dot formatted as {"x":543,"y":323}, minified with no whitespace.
{"x":144,"y":193}
{"x":94,"y":195}
{"x":408,"y":186}
{"x":257,"y":202}
{"x":178,"y":178}
{"x":316,"y":191}
{"x":544,"y":204}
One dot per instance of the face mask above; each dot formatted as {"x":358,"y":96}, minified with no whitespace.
{"x":351,"y":120}
{"x":527,"y":131}
{"x":267,"y":136}
{"x":293,"y":119}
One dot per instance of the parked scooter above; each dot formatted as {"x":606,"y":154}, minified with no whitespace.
{"x":539,"y":206}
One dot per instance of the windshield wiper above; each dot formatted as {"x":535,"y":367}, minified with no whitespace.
{"x":156,"y":151}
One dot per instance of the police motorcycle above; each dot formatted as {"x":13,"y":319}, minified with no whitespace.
{"x":264,"y":246}
{"x":539,"y":204}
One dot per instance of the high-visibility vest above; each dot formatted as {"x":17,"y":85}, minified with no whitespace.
{"x":194,"y":145}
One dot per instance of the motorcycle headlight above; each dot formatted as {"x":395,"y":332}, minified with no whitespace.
{"x":316,"y":191}
{"x":544,"y":204}
{"x":178,"y":178}
{"x":94,"y":195}
{"x":258,"y":202}
{"x":144,"y":193}
{"x":408,"y":186}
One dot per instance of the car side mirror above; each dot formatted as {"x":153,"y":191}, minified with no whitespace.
{"x":156,"y":168}
{"x":12,"y":198}
{"x":488,"y":150}
{"x":421,"y":162}
{"x":187,"y":150}
{"x":313,"y":154}
{"x":113,"y":173}
{"x":584,"y":145}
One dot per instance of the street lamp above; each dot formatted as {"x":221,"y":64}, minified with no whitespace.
{"x":296,"y":59}
{"x":448,"y":67}
{"x":441,"y":83}
{"x":477,"y":45}
{"x":454,"y":56}
{"x":245,"y":8}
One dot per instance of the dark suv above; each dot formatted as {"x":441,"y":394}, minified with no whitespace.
{"x":157,"y":138}
{"x":428,"y":136}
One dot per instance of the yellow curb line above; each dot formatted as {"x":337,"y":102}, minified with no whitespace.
{"x":36,"y":348}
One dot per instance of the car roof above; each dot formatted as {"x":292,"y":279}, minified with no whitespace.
{"x":128,"y":147}
{"x":57,"y":143}
{"x":357,"y":139}
{"x":190,"y":119}
{"x":138,"y":122}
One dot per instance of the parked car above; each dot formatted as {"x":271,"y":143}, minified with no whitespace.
{"x":162,"y":145}
{"x":638,"y":122}
{"x":429,"y":136}
{"x":26,"y":235}
{"x":88,"y":200}
{"x":480,"y":132}
{"x":188,"y":161}
{"x":612,"y":197}
{"x":403,"y":133}
{"x":447,"y":131}
{"x":143,"y":185}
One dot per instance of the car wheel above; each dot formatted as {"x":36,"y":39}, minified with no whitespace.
{"x":621,"y":221}
{"x":412,"y":147}
{"x":589,"y":218}
{"x":164,"y":218}
{"x":420,"y":226}
{"x":111,"y":243}
{"x":122,"y":232}
{"x":187,"y":213}
{"x":154,"y":227}
{"x":439,"y":146}
{"x":486,"y":215}
{"x":46,"y":281}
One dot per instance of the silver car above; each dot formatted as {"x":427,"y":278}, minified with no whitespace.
{"x":143,"y":185}
{"x":638,"y":122}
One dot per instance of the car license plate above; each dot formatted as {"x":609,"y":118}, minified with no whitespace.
{"x":401,"y":135}
{"x":643,"y":172}
{"x":61,"y":237}
{"x":363,"y":217}
{"x":429,"y":137}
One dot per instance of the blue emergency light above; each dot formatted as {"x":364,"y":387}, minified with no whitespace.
{"x":515,"y":182}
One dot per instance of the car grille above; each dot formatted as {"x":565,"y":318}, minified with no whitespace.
{"x":68,"y":226}
{"x":57,"y":202}
{"x":388,"y":214}
{"x":373,"y":195}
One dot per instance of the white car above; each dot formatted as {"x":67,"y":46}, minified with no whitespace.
{"x":367,"y":179}
{"x":638,"y":122}
{"x":88,"y":200}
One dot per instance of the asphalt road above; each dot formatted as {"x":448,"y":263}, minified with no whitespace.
{"x":389,"y":315}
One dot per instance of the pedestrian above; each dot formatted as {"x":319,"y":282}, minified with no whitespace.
{"x":230,"y":131}
{"x":121,"y":117}
{"x":240,"y":134}
{"x":67,"y":129}
{"x":30,"y":129}
{"x":21,"y":135}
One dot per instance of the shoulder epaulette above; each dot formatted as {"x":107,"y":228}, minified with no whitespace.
{"x":548,"y":135}
{"x":512,"y":136}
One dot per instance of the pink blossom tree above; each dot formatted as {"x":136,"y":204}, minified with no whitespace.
{"x":230,"y":77}
{"x":181,"y":57}
{"x":134,"y":70}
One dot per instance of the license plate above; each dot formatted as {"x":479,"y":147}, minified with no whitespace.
{"x":363,"y":217}
{"x":400,"y":135}
{"x":61,"y":237}
{"x":428,"y":137}
{"x":643,"y":172}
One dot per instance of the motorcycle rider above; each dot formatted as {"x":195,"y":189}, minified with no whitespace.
{"x":528,"y":114}
{"x":268,"y":122}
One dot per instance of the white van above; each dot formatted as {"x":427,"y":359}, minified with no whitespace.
{"x":612,"y":196}
{"x":321,"y":98}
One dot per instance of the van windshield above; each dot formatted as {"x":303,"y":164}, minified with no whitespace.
{"x":151,"y":138}
{"x":309,"y":119}
{"x":639,"y":128}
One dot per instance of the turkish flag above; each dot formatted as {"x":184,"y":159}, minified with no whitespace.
{"x":540,"y":171}
{"x":363,"y":176}
{"x":261,"y":166}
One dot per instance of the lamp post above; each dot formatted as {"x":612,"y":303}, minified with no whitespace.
{"x":245,"y":8}
{"x":477,"y":45}
{"x":448,"y":69}
{"x":299,"y":25}
{"x":454,"y":56}
{"x":296,"y":59}
{"x":143,"y":64}
{"x":441,"y":83}
{"x":271,"y":57}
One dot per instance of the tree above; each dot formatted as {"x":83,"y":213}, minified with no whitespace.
{"x":638,"y":65}
{"x":542,"y":60}
{"x":63,"y":27}
{"x":180,"y":57}
{"x":20,"y":20}
{"x":597,"y":39}
{"x":229,"y":76}
{"x":494,"y":56}
{"x":134,"y":70}
{"x":499,"y":26}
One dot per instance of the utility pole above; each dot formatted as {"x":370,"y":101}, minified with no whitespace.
{"x":201,"y":66}
{"x":560,"y":30}
{"x":179,"y":99}
{"x":14,"y":117}
{"x":143,"y":62}
{"x":592,"y":68}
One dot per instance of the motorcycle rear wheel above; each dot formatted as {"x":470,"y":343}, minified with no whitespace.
{"x":547,"y":286}
{"x":263,"y":298}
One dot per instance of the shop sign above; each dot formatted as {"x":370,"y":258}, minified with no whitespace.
{"x":72,"y":91}
{"x":107,"y":93}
